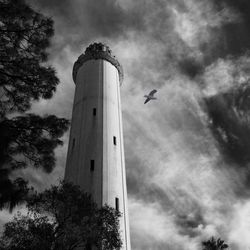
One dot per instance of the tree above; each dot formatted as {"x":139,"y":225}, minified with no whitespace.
{"x":213,"y":244}
{"x":25,"y":139}
{"x":62,"y":218}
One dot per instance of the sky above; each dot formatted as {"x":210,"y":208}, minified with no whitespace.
{"x":187,"y":153}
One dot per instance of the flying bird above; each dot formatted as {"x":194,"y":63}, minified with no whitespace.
{"x":150,"y":96}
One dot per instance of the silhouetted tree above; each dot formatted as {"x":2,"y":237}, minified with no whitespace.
{"x":25,"y":139}
{"x":213,"y":244}
{"x":62,"y":218}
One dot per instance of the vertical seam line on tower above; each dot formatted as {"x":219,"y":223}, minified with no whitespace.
{"x":122,"y":158}
{"x":101,"y":79}
{"x":79,"y":155}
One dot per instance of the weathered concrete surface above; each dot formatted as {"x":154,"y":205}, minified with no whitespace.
{"x":92,"y":138}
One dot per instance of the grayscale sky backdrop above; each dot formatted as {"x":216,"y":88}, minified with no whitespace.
{"x":188,"y":153}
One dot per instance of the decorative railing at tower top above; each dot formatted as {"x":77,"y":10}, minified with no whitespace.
{"x":97,"y":51}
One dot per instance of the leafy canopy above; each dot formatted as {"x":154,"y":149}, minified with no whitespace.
{"x":25,"y":139}
{"x":213,"y":244}
{"x":24,"y":38}
{"x":63,"y":217}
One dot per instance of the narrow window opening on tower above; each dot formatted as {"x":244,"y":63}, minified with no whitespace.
{"x":92,"y":165}
{"x":114,"y":140}
{"x":94,"y":111}
{"x":73,"y":143}
{"x":117,"y":204}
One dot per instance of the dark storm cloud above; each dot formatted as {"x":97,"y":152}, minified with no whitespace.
{"x":241,"y":6}
{"x":79,"y":22}
{"x":232,"y":38}
{"x":188,"y":225}
{"x":151,"y":193}
{"x":230,"y":122}
{"x":187,"y":220}
{"x":228,"y":110}
{"x":135,"y":177}
{"x":191,"y":67}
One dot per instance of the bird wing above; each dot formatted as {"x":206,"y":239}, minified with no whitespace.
{"x":153,"y":92}
{"x":147,"y":100}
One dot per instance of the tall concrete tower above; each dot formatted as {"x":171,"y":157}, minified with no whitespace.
{"x":95,"y":158}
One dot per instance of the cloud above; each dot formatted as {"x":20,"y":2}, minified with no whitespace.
{"x":154,"y":229}
{"x":226,"y":89}
{"x":235,"y":36}
{"x":240,"y":226}
{"x":194,"y":24}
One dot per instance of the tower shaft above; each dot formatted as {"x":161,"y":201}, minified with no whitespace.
{"x":95,"y":158}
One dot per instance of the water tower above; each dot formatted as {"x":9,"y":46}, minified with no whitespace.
{"x":95,"y":159}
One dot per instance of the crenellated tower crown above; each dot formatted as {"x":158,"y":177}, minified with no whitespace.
{"x":97,"y":51}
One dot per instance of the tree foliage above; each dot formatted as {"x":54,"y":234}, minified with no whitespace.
{"x":31,"y":139}
{"x":25,"y":139}
{"x":12,"y":192}
{"x":213,"y":244}
{"x":24,"y":38}
{"x":63,"y":218}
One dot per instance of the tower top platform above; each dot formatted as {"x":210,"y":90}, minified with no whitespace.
{"x":97,"y":51}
